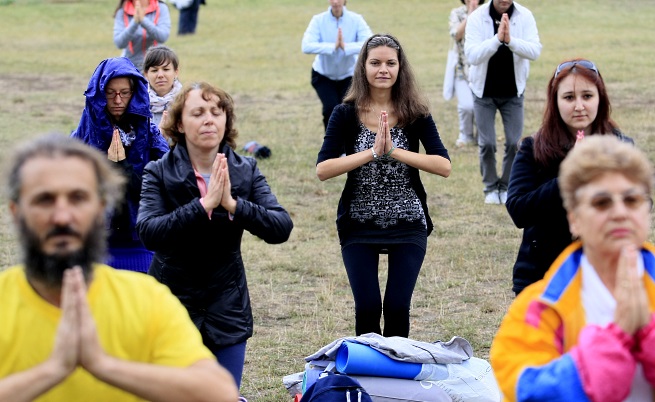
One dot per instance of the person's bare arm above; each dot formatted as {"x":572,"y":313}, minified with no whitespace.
{"x":29,"y":384}
{"x":204,"y":380}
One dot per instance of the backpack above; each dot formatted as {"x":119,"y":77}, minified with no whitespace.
{"x":336,"y":388}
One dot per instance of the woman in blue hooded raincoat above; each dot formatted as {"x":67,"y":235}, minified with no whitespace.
{"x":117,"y":120}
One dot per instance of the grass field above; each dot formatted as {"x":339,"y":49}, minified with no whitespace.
{"x":251,"y":48}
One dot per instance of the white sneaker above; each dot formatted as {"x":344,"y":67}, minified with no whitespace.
{"x":492,"y":198}
{"x":503,"y":197}
{"x":463,"y":141}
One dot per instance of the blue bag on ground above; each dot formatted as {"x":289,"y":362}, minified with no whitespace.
{"x":336,"y":388}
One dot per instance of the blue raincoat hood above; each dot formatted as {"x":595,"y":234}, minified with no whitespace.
{"x":96,"y":128}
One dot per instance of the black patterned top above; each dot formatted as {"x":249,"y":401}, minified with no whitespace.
{"x":383,"y":193}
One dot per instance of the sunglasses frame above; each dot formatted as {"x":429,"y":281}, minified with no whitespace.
{"x":572,"y":63}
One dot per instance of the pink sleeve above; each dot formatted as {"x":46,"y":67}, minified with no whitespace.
{"x":605,"y":363}
{"x":645,"y":350}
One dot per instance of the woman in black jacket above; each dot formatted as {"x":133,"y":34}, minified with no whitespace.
{"x":577,"y":105}
{"x":195,"y":204}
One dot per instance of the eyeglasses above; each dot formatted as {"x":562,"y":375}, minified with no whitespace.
{"x":584,"y":63}
{"x":124,"y":94}
{"x":632,"y":201}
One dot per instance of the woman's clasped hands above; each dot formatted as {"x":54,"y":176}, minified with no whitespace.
{"x":632,"y":311}
{"x":219,"y":188}
{"x":116,"y":151}
{"x":383,"y":145}
{"x":139,"y":12}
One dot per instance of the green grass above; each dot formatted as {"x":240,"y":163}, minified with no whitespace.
{"x":251,"y":48}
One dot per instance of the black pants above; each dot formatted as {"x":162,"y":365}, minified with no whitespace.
{"x":330,"y":92}
{"x":189,"y":18}
{"x":361,"y":261}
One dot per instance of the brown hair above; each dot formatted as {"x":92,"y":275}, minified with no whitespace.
{"x":597,"y":155}
{"x":225,"y":102}
{"x":158,"y":56}
{"x":408,"y":101}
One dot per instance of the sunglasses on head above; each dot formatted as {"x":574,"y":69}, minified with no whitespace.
{"x":570,"y":64}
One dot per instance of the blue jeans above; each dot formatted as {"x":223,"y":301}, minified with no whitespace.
{"x":330,"y":92}
{"x":361,"y":261}
{"x":511,"y":111}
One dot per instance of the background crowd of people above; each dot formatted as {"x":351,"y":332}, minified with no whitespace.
{"x":187,"y":191}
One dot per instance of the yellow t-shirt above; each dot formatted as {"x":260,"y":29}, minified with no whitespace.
{"x":137,"y":318}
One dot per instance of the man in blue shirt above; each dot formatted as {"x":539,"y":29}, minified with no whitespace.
{"x":335,"y":37}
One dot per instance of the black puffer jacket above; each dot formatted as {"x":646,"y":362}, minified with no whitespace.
{"x":200,"y":259}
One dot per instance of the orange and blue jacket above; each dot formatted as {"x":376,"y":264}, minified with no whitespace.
{"x":545,"y":351}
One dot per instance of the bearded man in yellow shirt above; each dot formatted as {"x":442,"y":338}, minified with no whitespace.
{"x":72,"y":329}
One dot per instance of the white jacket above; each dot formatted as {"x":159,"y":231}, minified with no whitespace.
{"x":481,"y":44}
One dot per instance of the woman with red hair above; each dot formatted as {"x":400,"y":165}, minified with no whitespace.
{"x":577,"y":105}
{"x":138,"y":25}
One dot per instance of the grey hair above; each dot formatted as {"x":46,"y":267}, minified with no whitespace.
{"x":111,"y":183}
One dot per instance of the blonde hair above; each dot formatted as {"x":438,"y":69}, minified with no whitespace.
{"x":597,"y":155}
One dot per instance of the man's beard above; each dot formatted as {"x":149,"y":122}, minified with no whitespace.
{"x":49,"y":268}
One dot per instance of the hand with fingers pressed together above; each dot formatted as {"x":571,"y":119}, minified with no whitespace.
{"x":84,"y":327}
{"x":589,"y":324}
{"x":116,"y":151}
{"x":138,"y":12}
{"x":632,"y":311}
{"x":383,"y":191}
{"x":503,"y":30}
{"x":211,"y":211}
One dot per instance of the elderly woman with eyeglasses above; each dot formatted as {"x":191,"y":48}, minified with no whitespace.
{"x":383,"y":208}
{"x":586,"y":332}
{"x":117,"y":120}
{"x":577,"y":106}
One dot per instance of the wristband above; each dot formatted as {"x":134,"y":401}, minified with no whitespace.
{"x":375,"y":156}
{"x":390,"y":151}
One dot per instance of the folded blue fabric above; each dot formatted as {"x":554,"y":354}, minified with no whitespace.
{"x":357,"y":359}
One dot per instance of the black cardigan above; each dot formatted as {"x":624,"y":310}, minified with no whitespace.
{"x":200,"y":259}
{"x":340,"y":137}
{"x":535,"y":205}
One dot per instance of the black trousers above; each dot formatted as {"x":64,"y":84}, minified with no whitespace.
{"x":330,"y":92}
{"x":189,"y":18}
{"x":361,"y":261}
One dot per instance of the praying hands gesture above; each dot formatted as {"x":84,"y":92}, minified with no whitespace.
{"x":219,"y":189}
{"x":77,"y":344}
{"x":383,"y":144}
{"x":340,"y":43}
{"x":632,"y":312}
{"x":139,"y":13}
{"x":503,"y":30}
{"x":116,"y":151}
